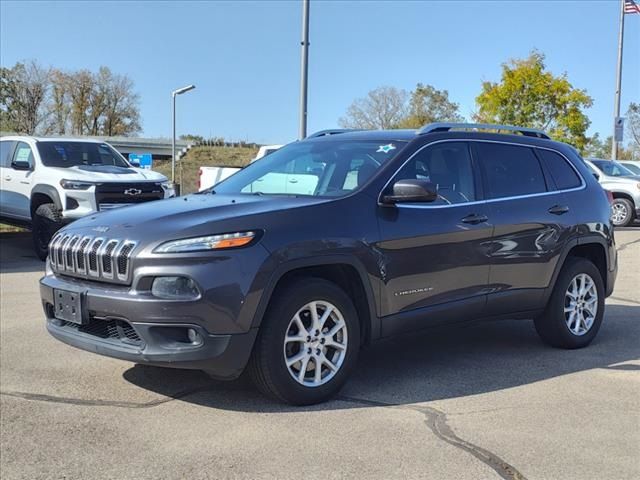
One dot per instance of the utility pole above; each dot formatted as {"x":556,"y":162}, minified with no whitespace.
{"x":304,"y":70}
{"x":174,"y":94}
{"x":616,"y":113}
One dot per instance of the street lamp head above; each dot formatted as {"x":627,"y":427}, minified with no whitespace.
{"x":182,"y":90}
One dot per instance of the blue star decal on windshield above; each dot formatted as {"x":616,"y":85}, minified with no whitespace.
{"x":386,"y":148}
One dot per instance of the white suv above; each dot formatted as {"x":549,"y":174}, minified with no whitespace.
{"x":47,"y":182}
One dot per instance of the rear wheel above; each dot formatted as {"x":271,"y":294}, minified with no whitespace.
{"x":621,"y":212}
{"x":574,"y":312}
{"x":308,"y":343}
{"x":46,"y":221}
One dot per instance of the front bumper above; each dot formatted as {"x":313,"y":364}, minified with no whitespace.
{"x":137,"y":334}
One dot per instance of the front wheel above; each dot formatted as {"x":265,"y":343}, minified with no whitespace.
{"x":576,"y":307}
{"x":308,"y":343}
{"x":46,"y":221}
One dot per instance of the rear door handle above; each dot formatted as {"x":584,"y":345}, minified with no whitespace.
{"x":475,"y":219}
{"x":8,"y":178}
{"x":559,"y":209}
{"x":293,"y":180}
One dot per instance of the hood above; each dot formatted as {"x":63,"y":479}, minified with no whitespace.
{"x":108,"y":173}
{"x":629,"y":179}
{"x":188,"y":216}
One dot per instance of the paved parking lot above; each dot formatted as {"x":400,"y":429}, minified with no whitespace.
{"x":484,"y":401}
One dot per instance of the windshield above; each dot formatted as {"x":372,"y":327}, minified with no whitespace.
{"x":612,"y":168}
{"x":72,"y":154}
{"x":325,"y":168}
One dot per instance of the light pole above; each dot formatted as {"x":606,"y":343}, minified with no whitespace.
{"x":304,"y":70}
{"x":179,"y":91}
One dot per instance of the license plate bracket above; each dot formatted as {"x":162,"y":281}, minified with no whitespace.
{"x":68,"y":306}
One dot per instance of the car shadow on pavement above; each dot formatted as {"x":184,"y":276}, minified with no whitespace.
{"x":434,"y":365}
{"x":17,"y":254}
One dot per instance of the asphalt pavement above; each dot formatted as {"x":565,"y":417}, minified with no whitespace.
{"x":486,"y":401}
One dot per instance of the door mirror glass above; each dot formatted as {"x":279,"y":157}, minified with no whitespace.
{"x":412,"y":191}
{"x":134,"y":162}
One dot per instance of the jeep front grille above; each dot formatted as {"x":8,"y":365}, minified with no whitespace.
{"x":95,"y":258}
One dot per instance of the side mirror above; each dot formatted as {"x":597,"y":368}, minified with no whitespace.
{"x":413,"y":191}
{"x":21,"y":165}
{"x":135,"y":162}
{"x":597,"y":177}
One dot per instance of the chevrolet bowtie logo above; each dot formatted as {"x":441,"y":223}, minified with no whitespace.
{"x":132,"y":191}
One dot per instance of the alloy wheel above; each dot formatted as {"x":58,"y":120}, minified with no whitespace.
{"x":315,"y":343}
{"x":619,"y":213}
{"x":581,"y":304}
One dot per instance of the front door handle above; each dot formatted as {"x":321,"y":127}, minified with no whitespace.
{"x":475,"y":219}
{"x":8,"y":178}
{"x":559,"y":209}
{"x":293,"y":180}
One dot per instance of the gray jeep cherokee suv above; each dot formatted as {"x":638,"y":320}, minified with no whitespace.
{"x":292,"y":265}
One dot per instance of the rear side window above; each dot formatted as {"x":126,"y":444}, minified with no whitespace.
{"x":563,"y":174}
{"x":6,"y":148}
{"x":510,"y":170}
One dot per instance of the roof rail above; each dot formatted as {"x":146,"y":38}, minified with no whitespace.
{"x":334,"y":131}
{"x":445,"y":127}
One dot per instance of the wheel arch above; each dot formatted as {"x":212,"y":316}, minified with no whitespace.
{"x":343,"y":270}
{"x":41,"y":194}
{"x":593,"y":249}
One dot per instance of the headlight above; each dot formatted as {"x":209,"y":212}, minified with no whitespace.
{"x":75,"y":185}
{"x":168,"y":188}
{"x":210,"y":242}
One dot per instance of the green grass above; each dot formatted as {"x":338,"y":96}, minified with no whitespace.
{"x":203,"y":156}
{"x":10,"y":228}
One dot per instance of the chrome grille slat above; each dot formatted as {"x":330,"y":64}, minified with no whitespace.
{"x":95,"y":258}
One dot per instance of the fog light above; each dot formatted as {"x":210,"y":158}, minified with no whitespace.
{"x":175,"y":288}
{"x":194,"y":337}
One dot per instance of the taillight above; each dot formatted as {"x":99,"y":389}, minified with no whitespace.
{"x":609,"y":196}
{"x":199,"y":176}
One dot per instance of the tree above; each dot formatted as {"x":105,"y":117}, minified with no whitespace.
{"x":382,"y":108}
{"x":23,"y":96}
{"x":633,"y":127}
{"x":596,"y":148}
{"x":530,"y":96}
{"x":427,"y":105}
{"x":34,"y":99}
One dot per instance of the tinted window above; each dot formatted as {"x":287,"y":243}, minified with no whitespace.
{"x":71,"y":154}
{"x":6,"y":148}
{"x":510,"y":170}
{"x":635,"y":169}
{"x":448,"y":166}
{"x":563,"y":174}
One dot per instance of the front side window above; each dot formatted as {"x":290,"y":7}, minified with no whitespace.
{"x":448,"y":165}
{"x":23,"y":154}
{"x":316,"y":168}
{"x":510,"y":170}
{"x":612,"y":168}
{"x":74,"y":154}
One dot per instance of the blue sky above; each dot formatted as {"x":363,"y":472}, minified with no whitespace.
{"x":244,"y":56}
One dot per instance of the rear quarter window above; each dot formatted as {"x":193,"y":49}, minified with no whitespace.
{"x":562,"y":173}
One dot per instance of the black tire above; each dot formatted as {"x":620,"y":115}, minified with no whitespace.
{"x":267,"y":366}
{"x":552,"y":325}
{"x":46,"y":221}
{"x":623,"y":205}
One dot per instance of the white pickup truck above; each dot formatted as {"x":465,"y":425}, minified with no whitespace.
{"x":210,"y":176}
{"x":47,"y":182}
